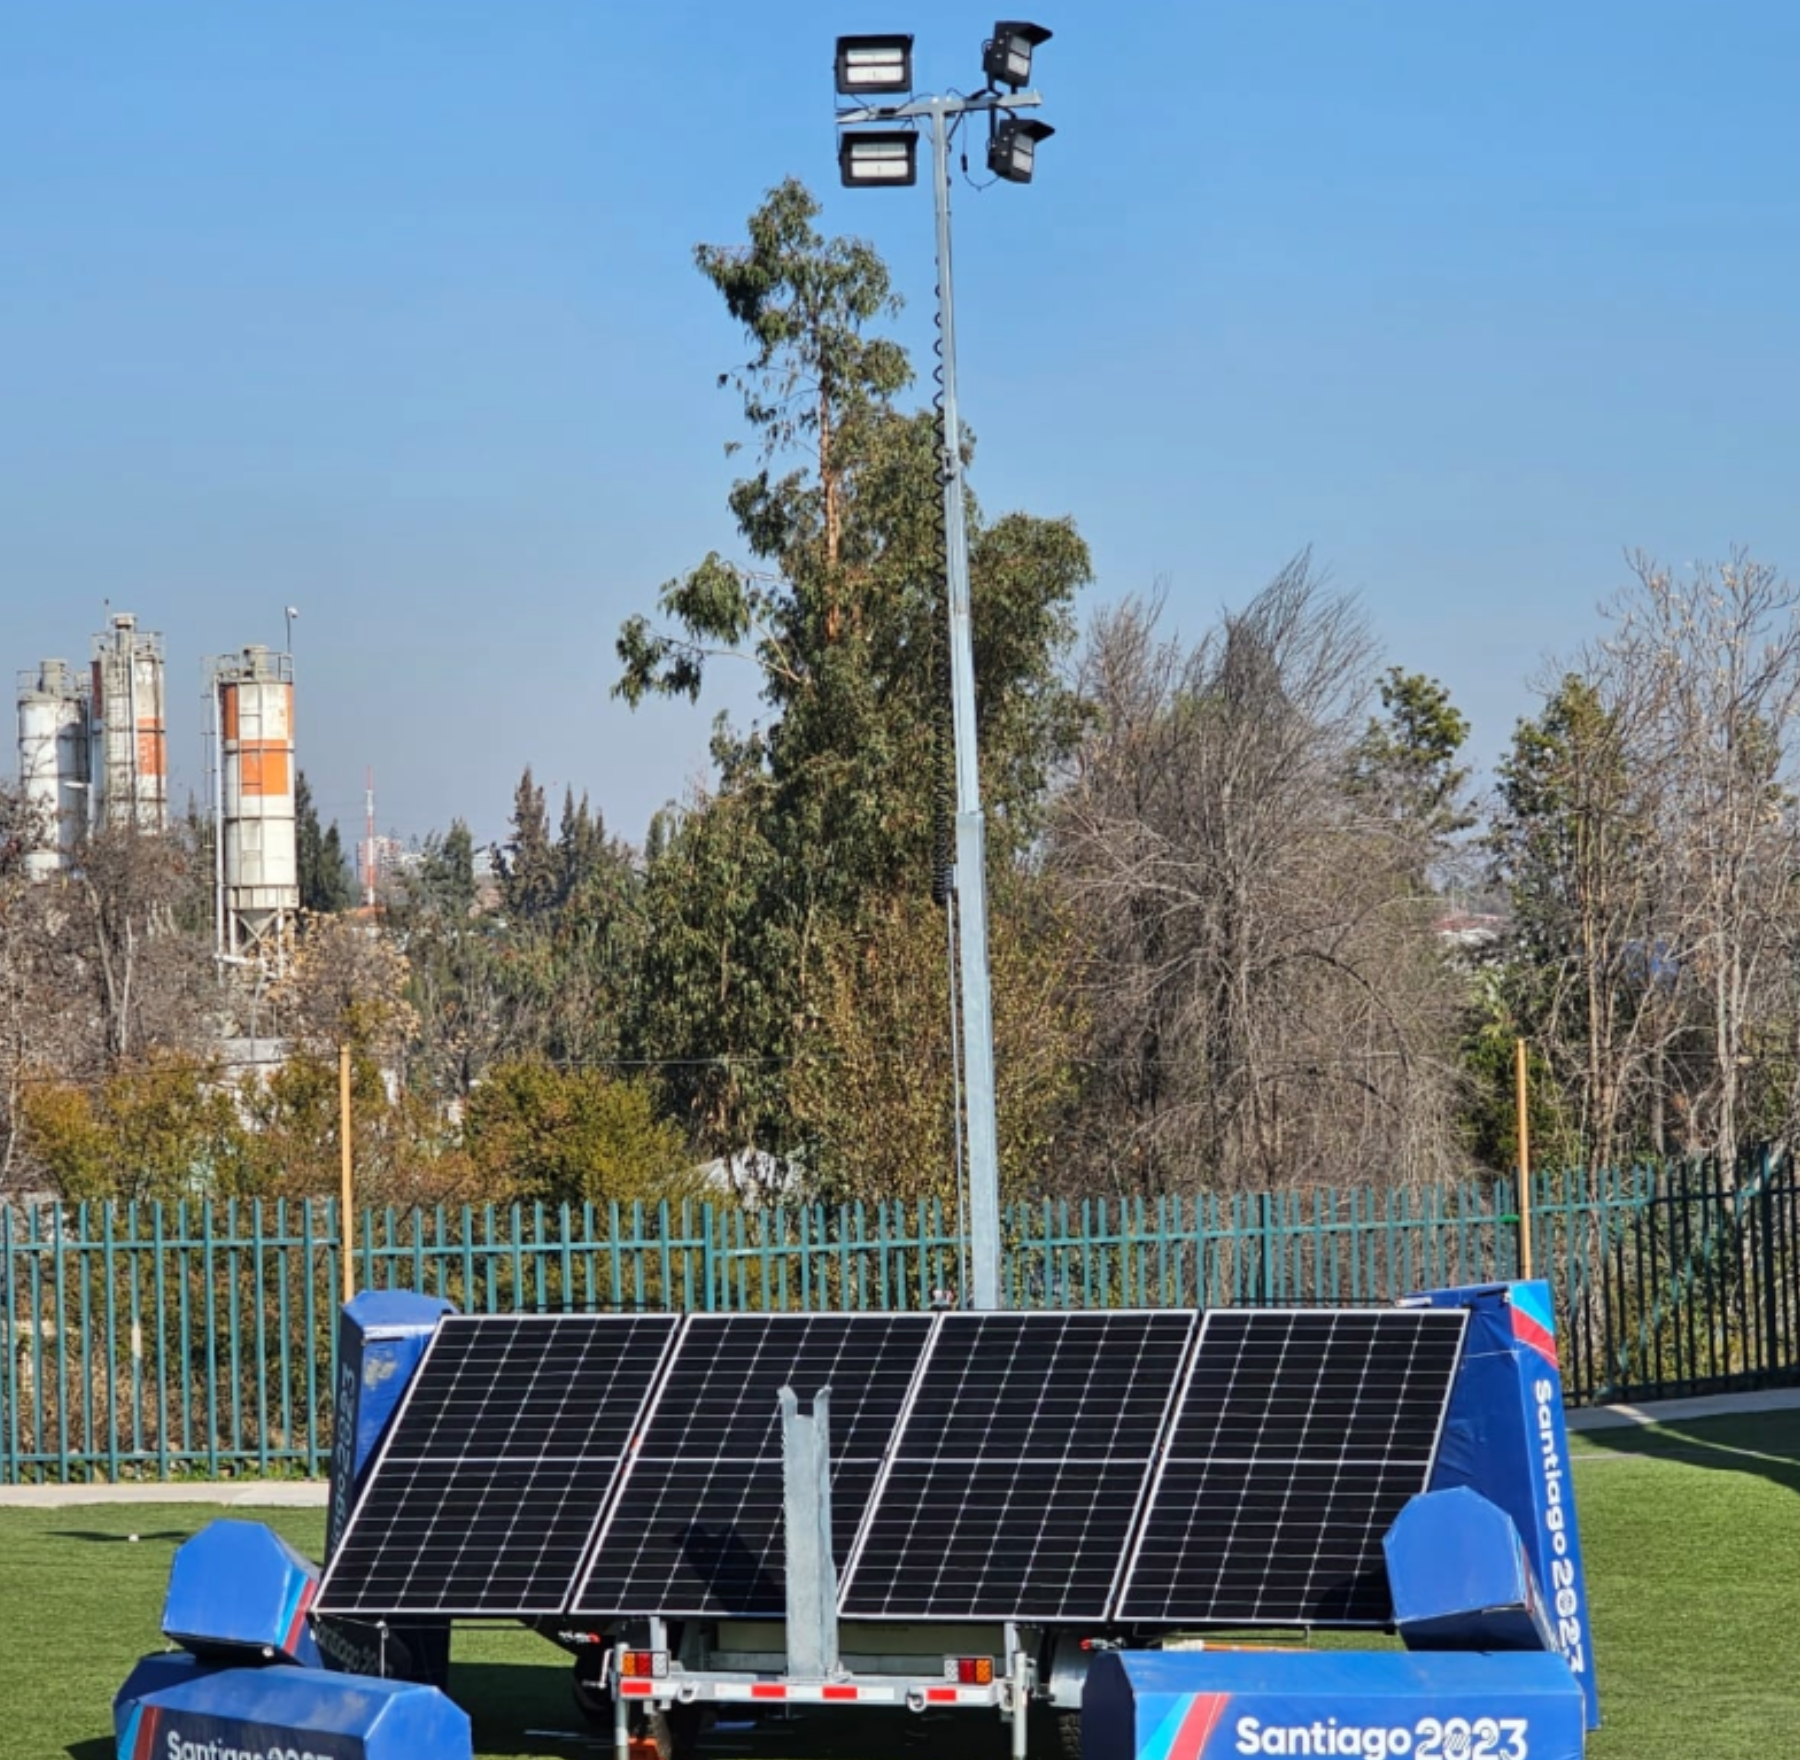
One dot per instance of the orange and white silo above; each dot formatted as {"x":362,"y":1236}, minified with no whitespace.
{"x":259,"y":869}
{"x":129,"y":767}
{"x":53,"y":764}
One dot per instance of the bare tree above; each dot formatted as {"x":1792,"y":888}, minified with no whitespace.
{"x":134,"y":906}
{"x":1719,"y":654}
{"x":101,"y":966}
{"x":1649,"y":833}
{"x":1268,"y":1001}
{"x":1575,"y":841}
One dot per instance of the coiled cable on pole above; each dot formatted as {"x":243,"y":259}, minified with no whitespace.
{"x":943,"y":781}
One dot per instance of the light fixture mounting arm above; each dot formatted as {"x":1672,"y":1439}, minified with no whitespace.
{"x":946,"y":107}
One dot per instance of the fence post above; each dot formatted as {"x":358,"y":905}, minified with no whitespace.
{"x":1766,"y":1268}
{"x":1526,"y":1268}
{"x":346,"y":1195}
{"x":9,"y":1392}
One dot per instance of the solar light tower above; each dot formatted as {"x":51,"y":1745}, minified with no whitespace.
{"x":878,"y":146}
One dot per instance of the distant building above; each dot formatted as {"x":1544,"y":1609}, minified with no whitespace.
{"x":1473,"y":934}
{"x":383,"y":859}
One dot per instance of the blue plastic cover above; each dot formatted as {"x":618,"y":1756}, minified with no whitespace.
{"x":1448,"y":1705}
{"x":151,"y":1674}
{"x":239,"y":1592}
{"x":382,"y":1335}
{"x":268,"y":1711}
{"x":1460,"y":1577}
{"x":1504,"y":1436}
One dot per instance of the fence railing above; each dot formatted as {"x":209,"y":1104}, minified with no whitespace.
{"x":159,"y":1341}
{"x":1676,"y":1280}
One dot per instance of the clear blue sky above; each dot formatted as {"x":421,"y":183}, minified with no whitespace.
{"x":388,"y":312}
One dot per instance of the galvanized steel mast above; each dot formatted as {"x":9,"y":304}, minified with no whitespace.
{"x":970,"y":884}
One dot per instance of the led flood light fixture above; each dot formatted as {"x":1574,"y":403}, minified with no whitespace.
{"x":1006,"y":56}
{"x":874,"y":64}
{"x":878,"y":156}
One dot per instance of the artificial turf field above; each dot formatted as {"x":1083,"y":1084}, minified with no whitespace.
{"x":1692,"y":1537}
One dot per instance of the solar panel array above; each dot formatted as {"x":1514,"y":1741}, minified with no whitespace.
{"x":494,"y":1471}
{"x":1297,"y":1439}
{"x":1017,"y":1479}
{"x":697,"y":1527}
{"x":1150,"y":1467}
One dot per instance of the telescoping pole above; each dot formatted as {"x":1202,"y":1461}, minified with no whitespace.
{"x":971,"y":840}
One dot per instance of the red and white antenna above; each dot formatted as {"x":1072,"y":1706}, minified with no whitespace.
{"x":369,"y":841}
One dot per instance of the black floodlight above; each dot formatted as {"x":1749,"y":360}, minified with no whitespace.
{"x":874,"y":64}
{"x":1014,"y":147}
{"x":1006,"y":56}
{"x":878,"y":156}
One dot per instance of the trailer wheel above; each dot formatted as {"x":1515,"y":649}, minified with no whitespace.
{"x":676,"y":1731}
{"x":1054,"y":1734}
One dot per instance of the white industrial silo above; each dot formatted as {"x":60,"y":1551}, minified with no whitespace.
{"x":252,"y":699}
{"x":129,"y":766}
{"x":53,"y":763}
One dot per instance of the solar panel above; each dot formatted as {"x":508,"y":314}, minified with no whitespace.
{"x":486,"y":1492}
{"x":1016,"y":1483}
{"x":696,"y":1528}
{"x":1298,"y":1437}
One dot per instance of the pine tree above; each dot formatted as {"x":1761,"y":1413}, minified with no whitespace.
{"x":324,"y":875}
{"x":528,"y":864}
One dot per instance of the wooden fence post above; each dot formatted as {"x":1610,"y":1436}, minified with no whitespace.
{"x":1525,"y":1253}
{"x":346,"y":1212}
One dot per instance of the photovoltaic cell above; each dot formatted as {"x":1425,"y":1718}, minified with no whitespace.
{"x":1298,"y":1437}
{"x":1016,"y":1483}
{"x":1162,"y":1468}
{"x":498,"y":1465}
{"x":696,"y":1528}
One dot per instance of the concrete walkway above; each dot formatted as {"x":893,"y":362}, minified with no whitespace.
{"x":314,"y":1493}
{"x":1675,"y":1411}
{"x":232,"y":1493}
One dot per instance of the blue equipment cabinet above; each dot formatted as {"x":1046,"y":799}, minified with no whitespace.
{"x":239,"y":1592}
{"x":1504,"y":1436}
{"x":282,"y":1711}
{"x":1208,"y":1705}
{"x":1461,"y":1579}
{"x":382,"y":1335}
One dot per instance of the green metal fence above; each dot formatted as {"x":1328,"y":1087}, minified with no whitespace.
{"x":1674,"y":1280}
{"x":153,"y":1341}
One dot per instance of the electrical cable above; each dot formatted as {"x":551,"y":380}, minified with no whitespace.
{"x":943,"y":795}
{"x":956,"y":1112}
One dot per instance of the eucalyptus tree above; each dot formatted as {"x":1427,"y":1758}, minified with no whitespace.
{"x":835,"y":799}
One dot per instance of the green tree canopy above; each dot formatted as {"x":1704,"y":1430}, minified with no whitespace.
{"x":325,"y":881}
{"x":829,"y":804}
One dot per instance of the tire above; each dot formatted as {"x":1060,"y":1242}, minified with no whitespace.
{"x":1054,"y":1734}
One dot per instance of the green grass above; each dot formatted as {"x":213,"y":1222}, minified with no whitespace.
{"x":1692,"y":1535}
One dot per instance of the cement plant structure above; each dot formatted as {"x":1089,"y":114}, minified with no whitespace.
{"x":54,"y":736}
{"x":93,"y":755}
{"x":129,"y":767}
{"x":93,"y":751}
{"x":250,"y":698}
